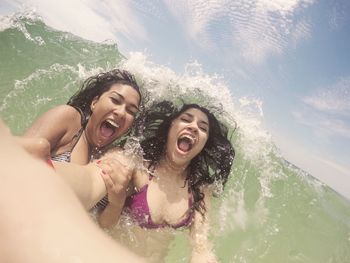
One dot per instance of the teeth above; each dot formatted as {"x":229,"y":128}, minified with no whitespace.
{"x":113,"y":123}
{"x":190,"y":137}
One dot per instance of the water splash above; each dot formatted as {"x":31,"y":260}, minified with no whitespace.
{"x":269,"y":211}
{"x":20,"y":21}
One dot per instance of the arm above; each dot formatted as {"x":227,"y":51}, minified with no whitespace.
{"x":201,"y":245}
{"x":90,"y":182}
{"x":117,"y":187}
{"x":116,"y":198}
{"x":85,"y":181}
{"x":54,"y":124}
{"x":43,"y":200}
{"x":38,"y":147}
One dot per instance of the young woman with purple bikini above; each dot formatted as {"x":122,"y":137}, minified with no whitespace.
{"x":186,"y":153}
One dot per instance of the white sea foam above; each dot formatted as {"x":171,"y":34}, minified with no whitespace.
{"x":19,"y":20}
{"x":20,"y":86}
{"x":84,"y":73}
{"x":255,"y":142}
{"x":164,"y":83}
{"x":232,"y":213}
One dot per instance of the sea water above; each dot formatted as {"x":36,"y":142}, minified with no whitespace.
{"x":270,"y":211}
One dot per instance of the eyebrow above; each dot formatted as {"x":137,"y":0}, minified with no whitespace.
{"x":123,"y":98}
{"x":201,"y":121}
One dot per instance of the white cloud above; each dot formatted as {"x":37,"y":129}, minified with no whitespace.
{"x":302,"y":31}
{"x":93,"y":20}
{"x":322,"y":125}
{"x":283,"y":6}
{"x":258,"y":27}
{"x":338,"y":14}
{"x":327,"y":111}
{"x":334,"y":99}
{"x":195,"y":16}
{"x":254,"y":29}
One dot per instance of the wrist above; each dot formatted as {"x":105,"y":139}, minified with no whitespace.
{"x":117,"y":201}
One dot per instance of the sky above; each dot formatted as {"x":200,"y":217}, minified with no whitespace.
{"x":291,"y":55}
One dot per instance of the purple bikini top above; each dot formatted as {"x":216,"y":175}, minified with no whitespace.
{"x":136,"y":205}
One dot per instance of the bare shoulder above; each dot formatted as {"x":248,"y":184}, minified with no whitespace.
{"x":55,"y":123}
{"x":64,"y":112}
{"x":64,"y":115}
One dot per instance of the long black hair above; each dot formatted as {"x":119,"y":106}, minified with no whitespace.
{"x":95,"y":86}
{"x":211,"y":165}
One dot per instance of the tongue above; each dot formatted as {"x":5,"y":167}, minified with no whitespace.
{"x":106,"y":130}
{"x":184,"y":146}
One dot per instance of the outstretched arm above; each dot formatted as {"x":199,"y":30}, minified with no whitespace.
{"x":85,"y":181}
{"x":38,"y":147}
{"x":32,"y":204}
{"x":92,"y":181}
{"x":202,"y":251}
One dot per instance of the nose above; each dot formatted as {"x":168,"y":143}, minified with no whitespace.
{"x":193,"y":127}
{"x":120,"y":111}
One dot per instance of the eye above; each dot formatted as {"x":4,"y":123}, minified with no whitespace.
{"x":116,"y":100}
{"x":185,"y":119}
{"x":203,"y":128}
{"x":132,"y":111}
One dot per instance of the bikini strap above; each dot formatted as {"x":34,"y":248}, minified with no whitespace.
{"x":83,"y":118}
{"x":151,"y":173}
{"x":76,"y":137}
{"x":83,"y":121}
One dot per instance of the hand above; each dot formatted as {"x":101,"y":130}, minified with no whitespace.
{"x":204,"y":257}
{"x":116,"y":176}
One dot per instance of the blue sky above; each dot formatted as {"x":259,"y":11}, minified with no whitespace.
{"x":291,"y":55}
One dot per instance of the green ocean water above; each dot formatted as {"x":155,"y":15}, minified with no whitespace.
{"x":270,"y":211}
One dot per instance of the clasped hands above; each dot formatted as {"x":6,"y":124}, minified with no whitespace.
{"x":116,"y":172}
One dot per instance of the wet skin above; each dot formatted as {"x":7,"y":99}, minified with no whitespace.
{"x":190,"y":130}
{"x":113,"y":113}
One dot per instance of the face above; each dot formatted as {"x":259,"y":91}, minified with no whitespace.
{"x":113,"y":113}
{"x":187,"y":136}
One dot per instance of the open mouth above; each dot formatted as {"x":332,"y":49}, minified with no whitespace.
{"x":108,"y":128}
{"x":185,"y":143}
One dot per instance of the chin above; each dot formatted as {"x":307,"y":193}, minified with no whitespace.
{"x":181,"y":158}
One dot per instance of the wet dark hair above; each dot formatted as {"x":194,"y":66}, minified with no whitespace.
{"x":95,"y":86}
{"x":211,"y":165}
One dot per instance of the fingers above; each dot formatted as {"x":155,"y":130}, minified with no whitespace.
{"x":117,"y":170}
{"x":118,"y":162}
{"x":107,"y":180}
{"x":106,"y":168}
{"x":114,"y":179}
{"x":109,"y":164}
{"x":119,"y":166}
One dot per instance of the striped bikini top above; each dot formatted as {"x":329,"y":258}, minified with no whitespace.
{"x":66,"y":156}
{"x":62,"y":157}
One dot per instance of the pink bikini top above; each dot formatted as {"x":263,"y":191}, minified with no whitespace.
{"x":137,"y":207}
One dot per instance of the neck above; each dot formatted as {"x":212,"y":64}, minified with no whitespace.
{"x":81,"y":150}
{"x":84,"y":141}
{"x":167,"y":165}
